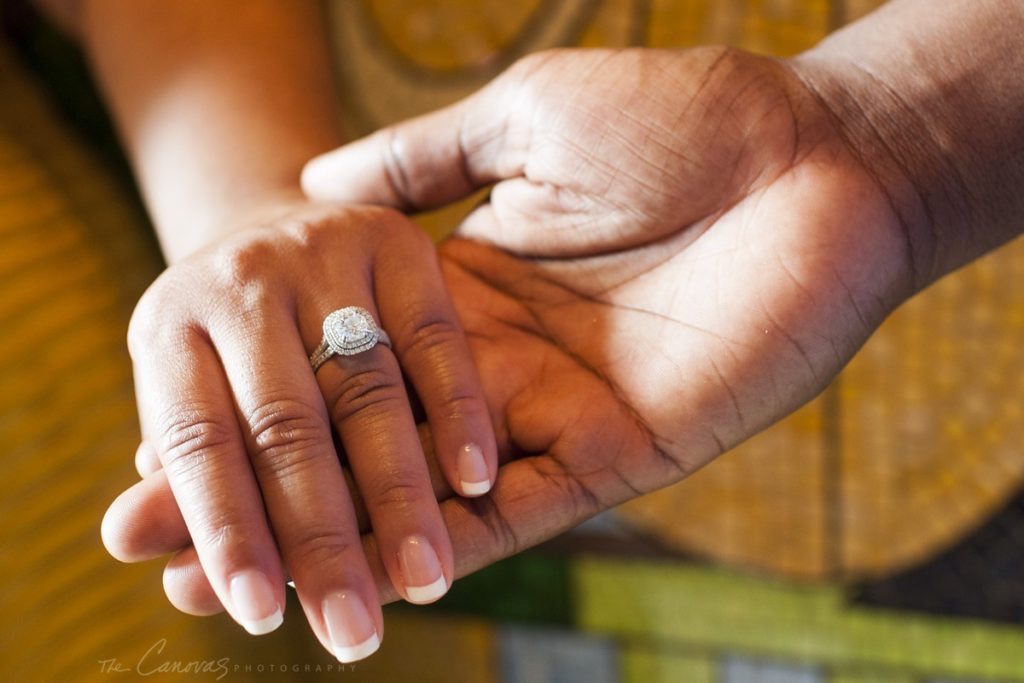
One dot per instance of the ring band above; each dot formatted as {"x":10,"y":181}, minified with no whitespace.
{"x":348,"y":331}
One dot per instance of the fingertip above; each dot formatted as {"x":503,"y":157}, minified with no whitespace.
{"x":473,"y":472}
{"x":347,"y":654}
{"x":112,"y":531}
{"x":471,"y":489}
{"x":353,"y":632}
{"x":187,"y":587}
{"x":355,"y":173}
{"x":423,"y":576}
{"x":254,"y":601}
{"x":318,"y":178}
{"x":146,"y":459}
{"x":119,"y":529}
{"x":144,"y":522}
{"x":432,"y":592}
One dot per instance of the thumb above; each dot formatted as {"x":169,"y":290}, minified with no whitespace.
{"x":425,"y":162}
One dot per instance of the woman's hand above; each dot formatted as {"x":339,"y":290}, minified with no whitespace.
{"x":243,"y":427}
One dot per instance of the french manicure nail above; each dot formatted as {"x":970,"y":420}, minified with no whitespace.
{"x":474,"y":479}
{"x":421,"y":570}
{"x":350,"y":628}
{"x":254,"y":603}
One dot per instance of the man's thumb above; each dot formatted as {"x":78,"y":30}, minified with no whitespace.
{"x":421,"y":163}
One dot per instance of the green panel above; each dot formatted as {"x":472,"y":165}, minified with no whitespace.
{"x":871,"y":676}
{"x":425,"y":648}
{"x":530,"y":587}
{"x":713,"y":609}
{"x":643,"y":665}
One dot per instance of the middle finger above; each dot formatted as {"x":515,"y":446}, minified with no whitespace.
{"x":288,"y":436}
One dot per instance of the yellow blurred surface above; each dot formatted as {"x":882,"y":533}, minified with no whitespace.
{"x":915,"y":445}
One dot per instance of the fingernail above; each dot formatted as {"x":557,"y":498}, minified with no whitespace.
{"x":350,"y":628}
{"x":421,"y":570}
{"x":474,"y":478}
{"x":254,"y":602}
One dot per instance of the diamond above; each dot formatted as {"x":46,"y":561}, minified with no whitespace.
{"x":350,"y":330}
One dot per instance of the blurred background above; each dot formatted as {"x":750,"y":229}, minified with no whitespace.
{"x":877,"y":535}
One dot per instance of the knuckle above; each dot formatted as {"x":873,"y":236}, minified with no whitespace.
{"x":190,"y":438}
{"x":390,"y":226}
{"x":459,"y":407}
{"x":327,"y":233}
{"x":503,"y":536}
{"x":438,"y":344}
{"x":310,"y":234}
{"x":318,"y":546}
{"x":139,"y":327}
{"x":217,"y":532}
{"x":149,"y":319}
{"x":395,"y":495}
{"x":729,"y":56}
{"x":506,"y":540}
{"x":284,"y":423}
{"x":400,"y":242}
{"x":366,"y":393}
{"x":285,"y":434}
{"x":244,"y":264}
{"x":429,"y":338}
{"x":395,"y":164}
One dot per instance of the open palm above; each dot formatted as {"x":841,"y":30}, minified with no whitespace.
{"x":707,"y":251}
{"x":689,"y":250}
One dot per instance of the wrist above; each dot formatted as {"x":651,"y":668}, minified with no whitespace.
{"x":893,"y":145}
{"x":218,"y":104}
{"x":926,"y":97}
{"x":193,"y":226}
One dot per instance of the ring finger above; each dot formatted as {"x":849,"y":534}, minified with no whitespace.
{"x":368,"y":404}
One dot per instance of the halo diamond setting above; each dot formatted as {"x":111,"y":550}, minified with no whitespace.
{"x":350,"y":330}
{"x":347,"y":332}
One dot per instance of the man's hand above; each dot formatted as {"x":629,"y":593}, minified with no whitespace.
{"x":740,"y":249}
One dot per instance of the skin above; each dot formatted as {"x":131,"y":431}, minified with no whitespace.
{"x":230,"y":409}
{"x":682,"y":248}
